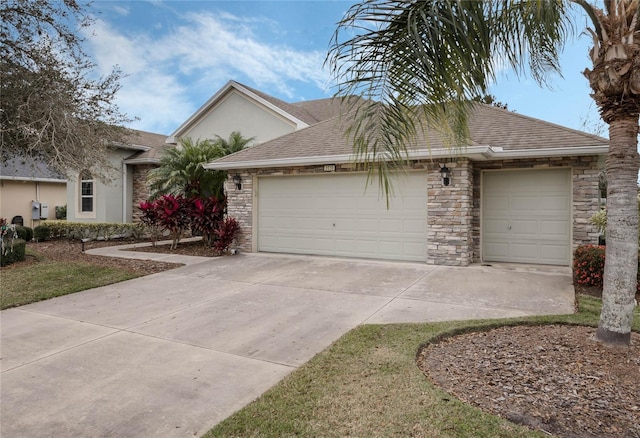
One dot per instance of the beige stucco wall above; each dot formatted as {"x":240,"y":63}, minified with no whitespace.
{"x":109,"y":204}
{"x":16,"y":197}
{"x":237,"y":112}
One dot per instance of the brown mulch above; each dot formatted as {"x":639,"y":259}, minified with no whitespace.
{"x":553,"y":378}
{"x":71,"y":251}
{"x":195,"y":248}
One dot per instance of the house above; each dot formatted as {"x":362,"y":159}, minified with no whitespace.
{"x":26,"y":186}
{"x":91,"y":200}
{"x":521,"y":191}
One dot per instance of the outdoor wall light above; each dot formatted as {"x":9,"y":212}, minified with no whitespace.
{"x":446,"y":175}
{"x":237,"y":180}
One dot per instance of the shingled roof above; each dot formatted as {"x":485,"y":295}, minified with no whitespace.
{"x":151,"y":146}
{"x":29,"y":169}
{"x":494,"y":132}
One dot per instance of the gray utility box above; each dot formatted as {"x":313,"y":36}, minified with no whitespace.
{"x":44,"y":211}
{"x":39,"y":210}
{"x":35,"y":210}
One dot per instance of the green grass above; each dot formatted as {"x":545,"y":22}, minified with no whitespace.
{"x":368,"y":384}
{"x":48,"y":279}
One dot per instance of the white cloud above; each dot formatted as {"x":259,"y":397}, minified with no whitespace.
{"x":171,"y":74}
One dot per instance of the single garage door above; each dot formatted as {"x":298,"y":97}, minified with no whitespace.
{"x":527,"y":216}
{"x":332,"y":214}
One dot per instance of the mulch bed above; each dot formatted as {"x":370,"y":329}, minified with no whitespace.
{"x":71,"y":251}
{"x":195,"y":248}
{"x":553,"y":378}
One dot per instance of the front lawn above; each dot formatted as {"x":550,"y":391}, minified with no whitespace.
{"x":368,"y":384}
{"x":50,"y":278}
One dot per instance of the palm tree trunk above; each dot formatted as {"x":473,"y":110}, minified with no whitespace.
{"x":621,"y":261}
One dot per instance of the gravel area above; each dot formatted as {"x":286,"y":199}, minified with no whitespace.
{"x":553,"y":378}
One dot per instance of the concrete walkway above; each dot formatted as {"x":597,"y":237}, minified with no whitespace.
{"x":174,"y":353}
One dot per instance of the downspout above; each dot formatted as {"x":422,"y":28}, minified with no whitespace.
{"x":124,"y":192}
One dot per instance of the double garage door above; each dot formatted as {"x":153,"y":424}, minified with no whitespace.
{"x":526,"y":216}
{"x":333,"y":214}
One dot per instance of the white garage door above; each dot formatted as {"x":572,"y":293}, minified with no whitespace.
{"x":527,"y":216}
{"x":333,"y":215}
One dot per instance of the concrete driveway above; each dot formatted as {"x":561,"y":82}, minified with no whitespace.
{"x":174,"y":353}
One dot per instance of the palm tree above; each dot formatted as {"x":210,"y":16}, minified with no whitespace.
{"x":181,"y":171}
{"x":235,"y":143}
{"x":426,"y":60}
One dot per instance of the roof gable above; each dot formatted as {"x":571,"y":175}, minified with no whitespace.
{"x":283,"y":109}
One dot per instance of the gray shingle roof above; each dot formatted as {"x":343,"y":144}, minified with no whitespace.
{"x":155,"y":142}
{"x":489,"y":126}
{"x":28,"y":169}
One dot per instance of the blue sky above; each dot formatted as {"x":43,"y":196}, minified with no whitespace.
{"x":177,"y":54}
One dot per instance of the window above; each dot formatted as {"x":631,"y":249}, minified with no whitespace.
{"x":86,"y":192}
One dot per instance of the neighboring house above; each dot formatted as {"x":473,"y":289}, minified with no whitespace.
{"x":522,"y":191}
{"x":92,"y":200}
{"x":27,"y":184}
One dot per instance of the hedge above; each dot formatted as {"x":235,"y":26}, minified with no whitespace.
{"x":94,"y":230}
{"x":14,"y":252}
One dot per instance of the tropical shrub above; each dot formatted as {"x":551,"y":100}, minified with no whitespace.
{"x":588,"y":265}
{"x":226,"y":231}
{"x":150,"y":220}
{"x":41,"y":232}
{"x":173,"y":216}
{"x":205,"y":216}
{"x":63,"y":229}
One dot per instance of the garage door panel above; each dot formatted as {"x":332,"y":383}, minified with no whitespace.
{"x":311,"y":205}
{"x":535,"y":225}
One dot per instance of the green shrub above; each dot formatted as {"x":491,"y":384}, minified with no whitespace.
{"x":41,"y":232}
{"x":61,"y":212}
{"x":588,"y":265}
{"x":25,"y":233}
{"x":14,"y":252}
{"x":93,"y":230}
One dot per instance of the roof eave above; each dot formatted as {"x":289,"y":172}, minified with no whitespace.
{"x":475,"y":153}
{"x":32,"y":179}
{"x":142,"y":161}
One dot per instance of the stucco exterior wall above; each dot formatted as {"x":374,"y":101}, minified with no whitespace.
{"x":16,"y":197}
{"x":109,"y":196}
{"x":238,"y":113}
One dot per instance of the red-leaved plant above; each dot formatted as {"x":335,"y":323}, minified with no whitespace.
{"x":150,"y":219}
{"x":226,"y":231}
{"x":206,"y":214}
{"x":173,"y":216}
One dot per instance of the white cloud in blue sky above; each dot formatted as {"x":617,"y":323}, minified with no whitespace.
{"x":177,"y":54}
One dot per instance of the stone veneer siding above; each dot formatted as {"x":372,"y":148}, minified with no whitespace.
{"x":453,"y":235}
{"x":140,"y":188}
{"x":585,"y":202}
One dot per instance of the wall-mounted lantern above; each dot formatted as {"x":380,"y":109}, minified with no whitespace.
{"x":237,"y":180}
{"x":446,"y":175}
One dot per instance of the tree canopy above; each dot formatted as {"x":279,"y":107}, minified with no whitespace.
{"x":52,"y":104}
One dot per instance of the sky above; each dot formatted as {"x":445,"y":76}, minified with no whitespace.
{"x":175,"y":55}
